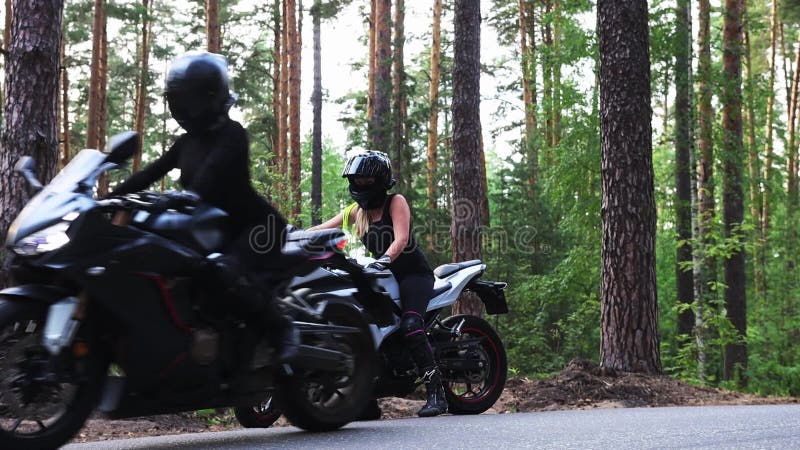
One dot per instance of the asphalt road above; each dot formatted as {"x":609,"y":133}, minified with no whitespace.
{"x":721,"y":427}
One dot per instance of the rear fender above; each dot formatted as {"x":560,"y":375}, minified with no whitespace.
{"x":492,"y":293}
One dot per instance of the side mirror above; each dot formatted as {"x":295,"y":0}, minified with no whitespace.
{"x":122,"y":146}
{"x":26,"y":166}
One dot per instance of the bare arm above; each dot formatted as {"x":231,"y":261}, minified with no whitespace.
{"x":335,"y":222}
{"x":401,"y":220}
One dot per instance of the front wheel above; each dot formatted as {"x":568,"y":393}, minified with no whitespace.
{"x":42,"y":406}
{"x":317,"y":400}
{"x":473,"y":391}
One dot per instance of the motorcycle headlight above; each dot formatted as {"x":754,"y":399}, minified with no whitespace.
{"x":43,"y":241}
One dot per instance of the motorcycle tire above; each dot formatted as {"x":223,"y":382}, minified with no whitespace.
{"x":22,"y":422}
{"x":316,"y":407}
{"x":259,"y":416}
{"x":462,"y":398}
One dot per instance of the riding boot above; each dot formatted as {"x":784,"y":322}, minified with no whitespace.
{"x":437,"y":403}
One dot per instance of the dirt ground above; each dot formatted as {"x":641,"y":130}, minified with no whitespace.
{"x":579,"y":386}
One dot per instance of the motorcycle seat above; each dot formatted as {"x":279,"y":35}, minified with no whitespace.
{"x":449,"y":269}
{"x":440,"y":288}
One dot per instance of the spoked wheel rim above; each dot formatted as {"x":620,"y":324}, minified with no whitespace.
{"x":29,"y":403}
{"x":327,"y":391}
{"x":477,"y":385}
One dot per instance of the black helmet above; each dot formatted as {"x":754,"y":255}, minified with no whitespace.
{"x":369,"y":164}
{"x":197,"y":90}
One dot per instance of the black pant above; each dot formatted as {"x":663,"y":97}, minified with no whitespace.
{"x":416,"y":290}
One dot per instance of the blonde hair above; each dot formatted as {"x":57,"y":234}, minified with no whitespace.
{"x":362,"y":222}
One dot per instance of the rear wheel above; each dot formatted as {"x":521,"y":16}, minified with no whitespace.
{"x":327,"y":400}
{"x":42,"y":407}
{"x":262,"y":415}
{"x":474,"y":391}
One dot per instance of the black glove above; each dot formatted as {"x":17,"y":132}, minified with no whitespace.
{"x":380,"y":264}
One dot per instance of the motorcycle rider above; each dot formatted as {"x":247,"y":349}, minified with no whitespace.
{"x":212,"y":156}
{"x":383,"y":223}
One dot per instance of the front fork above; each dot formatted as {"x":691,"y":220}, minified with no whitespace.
{"x":63,"y":319}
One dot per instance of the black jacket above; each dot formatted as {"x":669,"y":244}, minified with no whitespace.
{"x":215,"y":165}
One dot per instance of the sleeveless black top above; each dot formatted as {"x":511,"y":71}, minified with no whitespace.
{"x":381,"y":235}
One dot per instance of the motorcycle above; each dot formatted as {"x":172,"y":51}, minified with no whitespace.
{"x":470,"y":353}
{"x":115,"y":309}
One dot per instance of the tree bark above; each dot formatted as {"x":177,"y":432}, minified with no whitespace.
{"x":95,"y":96}
{"x":705,"y":179}
{"x":466,"y":169}
{"x":732,"y":194}
{"x":213,"y":35}
{"x":547,"y":82}
{"x":66,"y":154}
{"x":380,"y":129}
{"x":283,"y":120}
{"x":400,"y":160}
{"x":372,"y":58}
{"x":684,"y":278}
{"x":316,"y":136}
{"x":527,"y":30}
{"x":277,"y":60}
{"x":556,"y":86}
{"x":433,"y":119}
{"x":141,"y":91}
{"x":293,"y":49}
{"x":30,"y":127}
{"x":753,"y":163}
{"x":629,"y":307}
{"x":768,"y":153}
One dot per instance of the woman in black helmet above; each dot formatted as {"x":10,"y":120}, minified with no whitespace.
{"x":213,"y":159}
{"x":383,"y":222}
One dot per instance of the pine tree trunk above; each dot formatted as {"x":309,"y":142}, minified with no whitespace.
{"x":433,"y":119}
{"x":276,"y":84}
{"x":792,"y":186}
{"x":547,"y":83}
{"x":759,"y":277}
{"x":629,"y":307}
{"x":283,"y":120}
{"x":294,"y":108}
{"x":316,"y":135}
{"x":527,"y":29}
{"x":66,"y":154}
{"x":705,"y":178}
{"x":381,"y":131}
{"x":732,"y":194}
{"x":93,"y":114}
{"x":768,"y":154}
{"x":556,"y":86}
{"x":399,"y":107}
{"x":102,"y":110}
{"x":466,"y":169}
{"x":684,"y":278}
{"x":213,"y":37}
{"x":30,"y":127}
{"x":373,"y":57}
{"x":141,"y":89}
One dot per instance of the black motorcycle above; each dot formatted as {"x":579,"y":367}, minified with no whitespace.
{"x":115,"y":308}
{"x":470,"y":353}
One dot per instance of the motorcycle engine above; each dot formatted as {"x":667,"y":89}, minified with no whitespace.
{"x":205,"y":346}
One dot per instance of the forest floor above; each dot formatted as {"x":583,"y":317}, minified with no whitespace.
{"x":579,"y":386}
